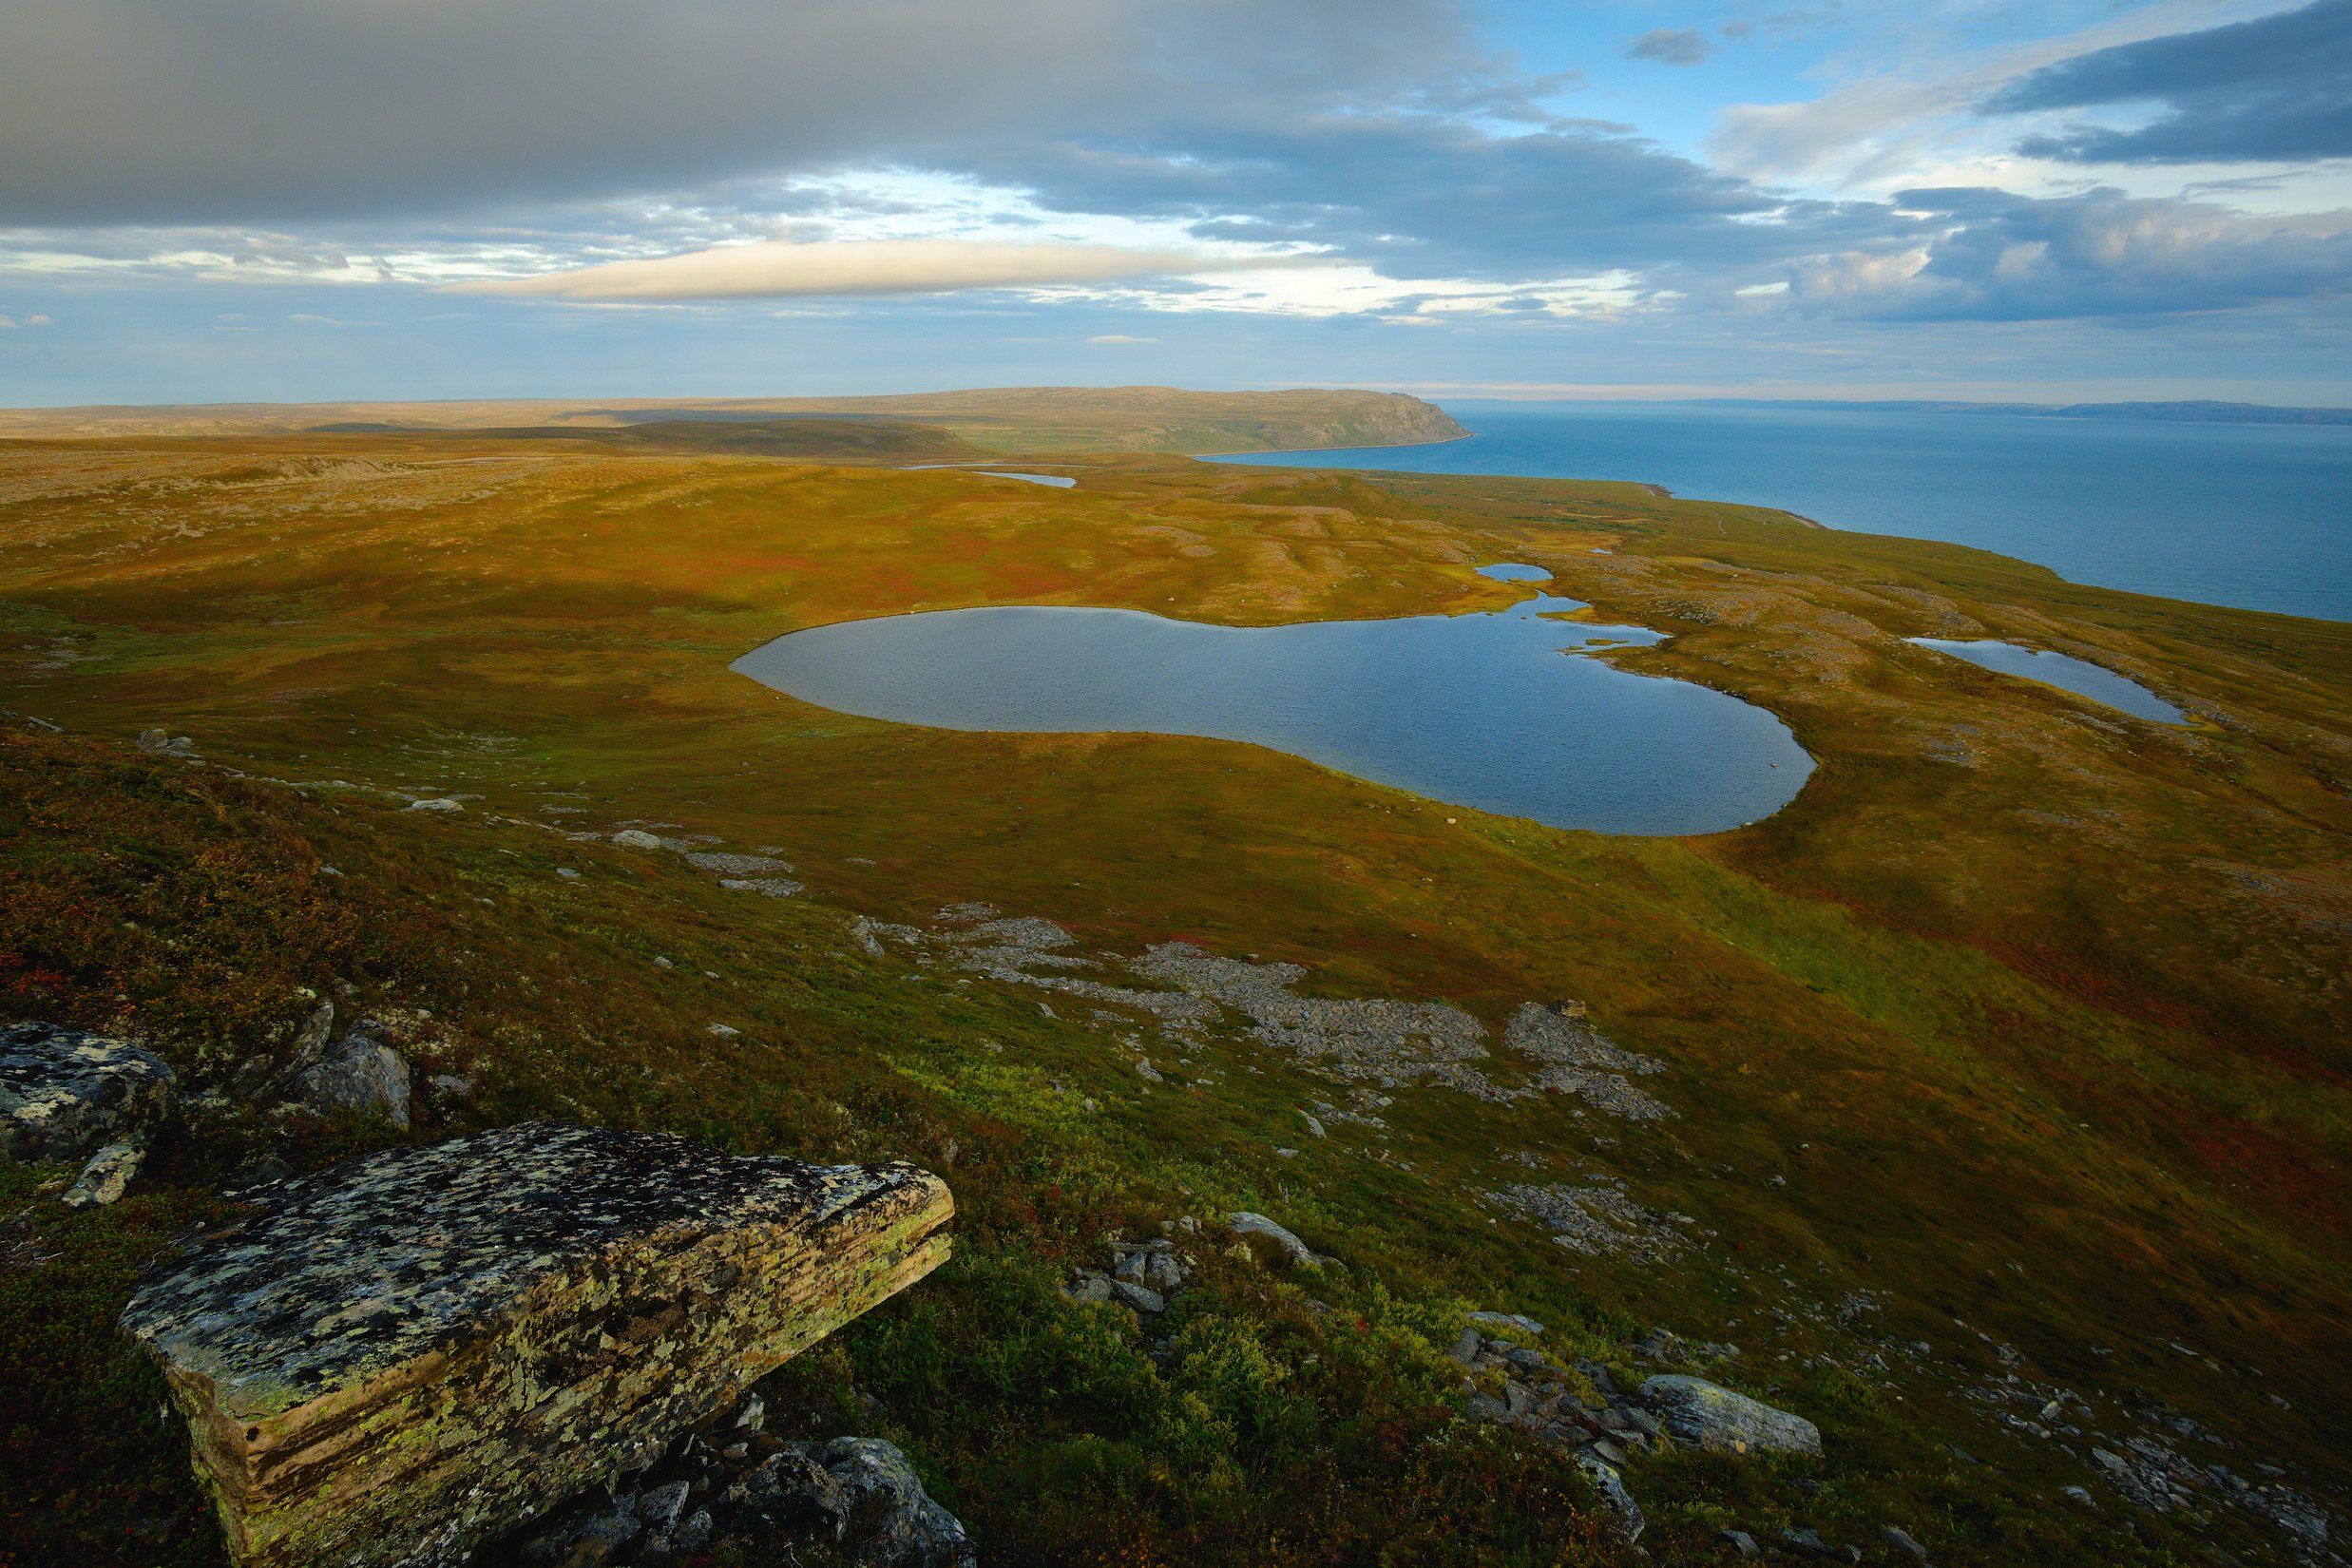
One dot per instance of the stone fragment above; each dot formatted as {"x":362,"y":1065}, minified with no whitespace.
{"x":1611,"y":1486}
{"x":1740,"y":1544}
{"x":1259,"y":1225}
{"x":439,"y":803}
{"x":164,"y":743}
{"x":887,"y":1517}
{"x":64,"y":1093}
{"x":107,"y":1175}
{"x":1091,"y":1285}
{"x":636,"y":838}
{"x":1141,"y":1297}
{"x":1505,"y":1320}
{"x":360,"y":1074}
{"x":766,"y":887}
{"x":1712,"y":1416}
{"x":661,"y":1508}
{"x":1901,"y":1540}
{"x":396,"y":1359}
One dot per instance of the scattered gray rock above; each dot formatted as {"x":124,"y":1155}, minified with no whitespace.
{"x":1712,"y":1416}
{"x":65,"y":1092}
{"x":360,"y":1074}
{"x":722,"y":864}
{"x":1740,"y":1544}
{"x":636,"y":838}
{"x":1598,"y":1219}
{"x":662,"y":1507}
{"x":1611,"y":1486}
{"x":1250,"y":1224}
{"x":766,"y":887}
{"x":1505,"y":1320}
{"x":887,"y":1517}
{"x":103,"y":1180}
{"x":1140,"y":1296}
{"x":1901,"y":1540}
{"x":1089,"y":1285}
{"x":1807,"y":1543}
{"x":440,"y":803}
{"x":164,"y":743}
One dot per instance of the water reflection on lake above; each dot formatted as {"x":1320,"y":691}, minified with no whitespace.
{"x":1496,"y":712}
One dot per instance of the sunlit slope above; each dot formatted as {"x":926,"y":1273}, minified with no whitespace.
{"x":2025,"y":1020}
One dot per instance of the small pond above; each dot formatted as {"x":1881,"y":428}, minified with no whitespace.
{"x":1499,"y":712}
{"x":2081,"y":677}
{"x":1059,"y":481}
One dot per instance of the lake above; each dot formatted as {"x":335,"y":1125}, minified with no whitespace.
{"x":1501,"y":713}
{"x":2256,"y":516}
{"x":2080,"y":676}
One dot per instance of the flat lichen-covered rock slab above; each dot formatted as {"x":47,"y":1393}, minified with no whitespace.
{"x":392,"y":1359}
{"x":65,"y":1091}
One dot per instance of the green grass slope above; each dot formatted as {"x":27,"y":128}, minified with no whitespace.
{"x":2006,"y":1064}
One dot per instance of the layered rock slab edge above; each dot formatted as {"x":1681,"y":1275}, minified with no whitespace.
{"x":402,"y":1357}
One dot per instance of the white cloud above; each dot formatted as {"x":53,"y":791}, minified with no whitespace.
{"x":782,"y":269}
{"x":1119,"y":337}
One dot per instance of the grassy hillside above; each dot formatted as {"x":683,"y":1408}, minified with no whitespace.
{"x":1093,"y":419}
{"x":2007,"y":1073}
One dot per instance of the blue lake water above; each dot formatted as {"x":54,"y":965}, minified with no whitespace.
{"x":1060,"y":482}
{"x":2078,"y":675}
{"x":1496,"y":712}
{"x":2258,"y":516}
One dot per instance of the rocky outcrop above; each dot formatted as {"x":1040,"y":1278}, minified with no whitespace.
{"x":393,"y":1360}
{"x":744,"y":1495}
{"x":360,"y":1074}
{"x":65,"y":1092}
{"x":1712,"y":1416}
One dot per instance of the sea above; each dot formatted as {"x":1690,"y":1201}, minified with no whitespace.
{"x":2254,"y":516}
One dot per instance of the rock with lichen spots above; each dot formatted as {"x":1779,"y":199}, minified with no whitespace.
{"x":394,"y":1360}
{"x":65,"y":1091}
{"x":360,"y":1074}
{"x":1715,"y":1417}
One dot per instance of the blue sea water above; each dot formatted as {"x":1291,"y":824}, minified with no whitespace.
{"x":1504,"y":713}
{"x":2256,"y":516}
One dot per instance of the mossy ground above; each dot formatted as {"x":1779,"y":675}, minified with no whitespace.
{"x":2026,"y":1018}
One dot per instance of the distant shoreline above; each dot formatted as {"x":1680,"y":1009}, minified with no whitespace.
{"x":2186,"y":411}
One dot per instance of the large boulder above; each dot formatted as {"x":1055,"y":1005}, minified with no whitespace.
{"x":393,"y":1360}
{"x":64,"y":1093}
{"x":1712,"y":1416}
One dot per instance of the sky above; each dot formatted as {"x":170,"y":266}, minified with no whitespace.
{"x":211,"y":200}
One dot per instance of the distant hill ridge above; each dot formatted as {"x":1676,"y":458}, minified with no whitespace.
{"x":1001,"y":419}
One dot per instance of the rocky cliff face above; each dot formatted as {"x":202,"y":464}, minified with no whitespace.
{"x":398,"y":1358}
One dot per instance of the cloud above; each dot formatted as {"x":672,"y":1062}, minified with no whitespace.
{"x":1114,"y":339}
{"x":258,"y":110}
{"x":9,"y":323}
{"x":782,"y":269}
{"x":2277,"y":88}
{"x":1421,"y":196}
{"x":2004,"y":258}
{"x":1673,"y":47}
